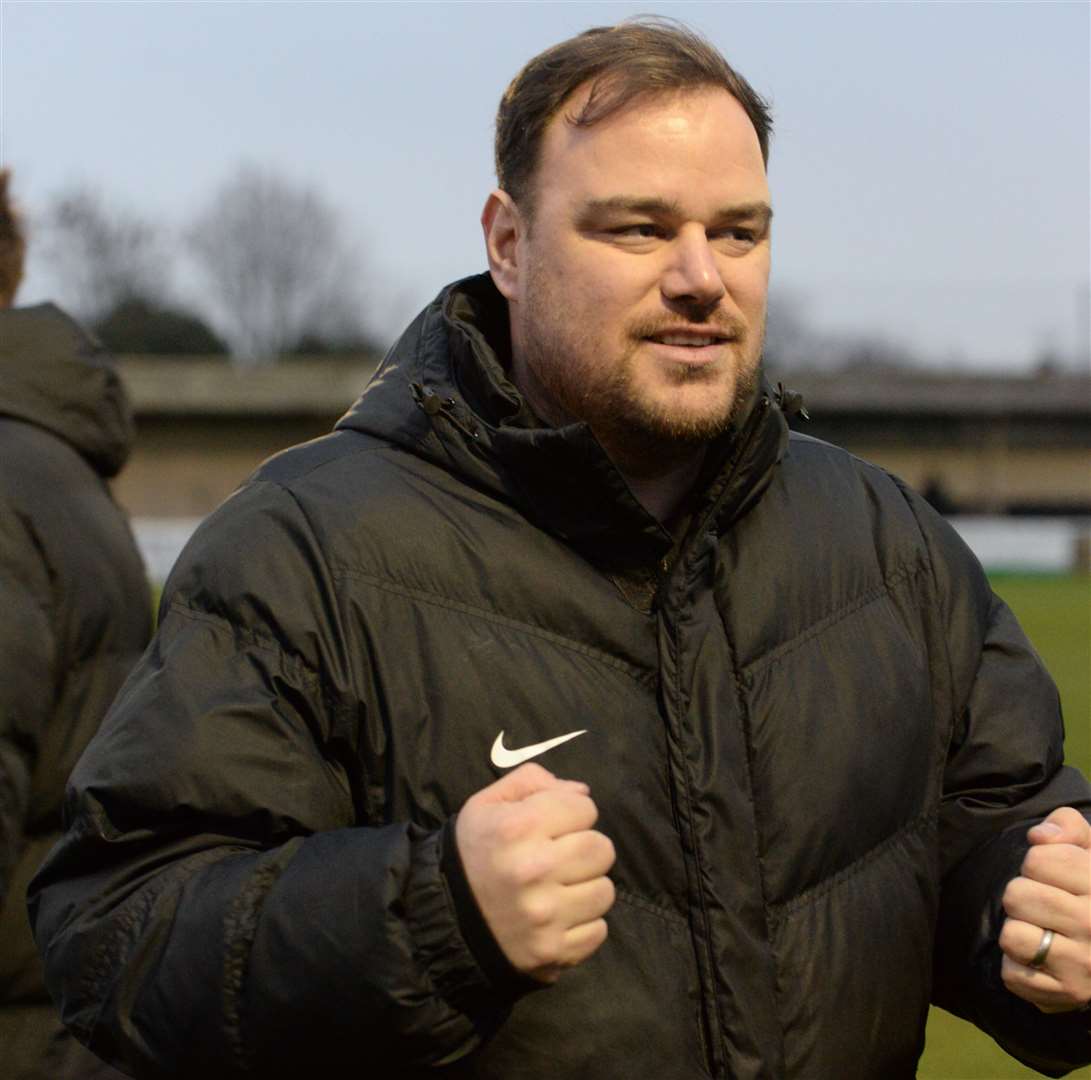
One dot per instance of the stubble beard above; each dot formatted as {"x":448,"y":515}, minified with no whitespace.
{"x":640,"y":433}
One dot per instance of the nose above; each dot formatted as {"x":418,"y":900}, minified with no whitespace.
{"x":691,"y":275}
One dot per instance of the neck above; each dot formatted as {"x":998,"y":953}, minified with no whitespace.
{"x":663,"y":491}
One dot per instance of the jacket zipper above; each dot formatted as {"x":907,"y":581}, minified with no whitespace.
{"x":710,"y":1025}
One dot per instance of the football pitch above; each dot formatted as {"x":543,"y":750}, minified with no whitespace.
{"x":1056,"y":614}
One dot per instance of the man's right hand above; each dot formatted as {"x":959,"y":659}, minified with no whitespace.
{"x":537,"y":869}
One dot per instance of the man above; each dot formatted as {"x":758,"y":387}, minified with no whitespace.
{"x":564,"y":534}
{"x":76,"y":616}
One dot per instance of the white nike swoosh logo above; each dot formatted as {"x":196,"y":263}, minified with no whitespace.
{"x":503,"y":758}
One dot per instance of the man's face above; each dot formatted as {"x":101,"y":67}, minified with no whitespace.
{"x":638,"y":298}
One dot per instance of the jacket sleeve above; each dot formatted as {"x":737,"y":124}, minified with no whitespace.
{"x":223,"y":899}
{"x":1004,"y":772}
{"x":27,"y":650}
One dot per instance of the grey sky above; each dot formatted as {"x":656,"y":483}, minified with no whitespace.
{"x":930,"y":166}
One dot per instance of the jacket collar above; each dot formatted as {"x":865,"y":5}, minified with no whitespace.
{"x":443,"y":393}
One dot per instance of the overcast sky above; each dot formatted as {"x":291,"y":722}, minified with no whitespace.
{"x":930,"y":166}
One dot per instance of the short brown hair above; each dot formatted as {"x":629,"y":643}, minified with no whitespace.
{"x":13,"y":245}
{"x":637,"y":57}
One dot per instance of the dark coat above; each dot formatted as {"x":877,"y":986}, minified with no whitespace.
{"x":813,"y":734}
{"x":76,"y":616}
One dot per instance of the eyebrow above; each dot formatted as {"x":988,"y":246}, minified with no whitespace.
{"x":656,"y":207}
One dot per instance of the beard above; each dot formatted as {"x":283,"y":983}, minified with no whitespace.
{"x":571,"y":379}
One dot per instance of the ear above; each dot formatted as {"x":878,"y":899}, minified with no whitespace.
{"x":504,"y":229}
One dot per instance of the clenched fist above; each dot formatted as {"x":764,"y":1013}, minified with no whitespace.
{"x":537,"y":869}
{"x":1052,"y":892}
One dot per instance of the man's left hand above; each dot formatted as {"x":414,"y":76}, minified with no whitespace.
{"x":1053,"y":891}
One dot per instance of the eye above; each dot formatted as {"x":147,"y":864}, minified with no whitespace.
{"x":637,"y":230}
{"x":735,"y":238}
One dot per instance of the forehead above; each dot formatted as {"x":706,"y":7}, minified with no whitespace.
{"x":680,"y":146}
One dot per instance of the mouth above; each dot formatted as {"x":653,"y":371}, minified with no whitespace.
{"x":687,"y":339}
{"x":690,"y":335}
{"x":688,"y":346}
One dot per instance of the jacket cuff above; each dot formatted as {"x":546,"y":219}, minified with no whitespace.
{"x":497,"y":968}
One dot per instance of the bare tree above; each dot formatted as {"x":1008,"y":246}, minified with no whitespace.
{"x":789,"y":339}
{"x":275,"y":259}
{"x":793,"y":343}
{"x":102,"y":255}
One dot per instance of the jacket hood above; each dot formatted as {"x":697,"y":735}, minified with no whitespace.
{"x":442,"y":392}
{"x":57,"y":376}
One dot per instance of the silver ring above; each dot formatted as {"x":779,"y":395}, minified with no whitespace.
{"x":1037,"y":961}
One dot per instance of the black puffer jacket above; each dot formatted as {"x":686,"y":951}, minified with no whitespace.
{"x":812,"y":733}
{"x":76,"y":615}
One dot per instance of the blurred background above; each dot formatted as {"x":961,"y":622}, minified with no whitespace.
{"x":248,"y":202}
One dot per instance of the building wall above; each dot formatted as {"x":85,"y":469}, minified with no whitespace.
{"x":988,"y":444}
{"x":184,"y":467}
{"x":993,"y":478}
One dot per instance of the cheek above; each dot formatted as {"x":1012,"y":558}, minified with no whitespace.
{"x":600,"y":309}
{"x":749,"y":286}
{"x":610,"y":283}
